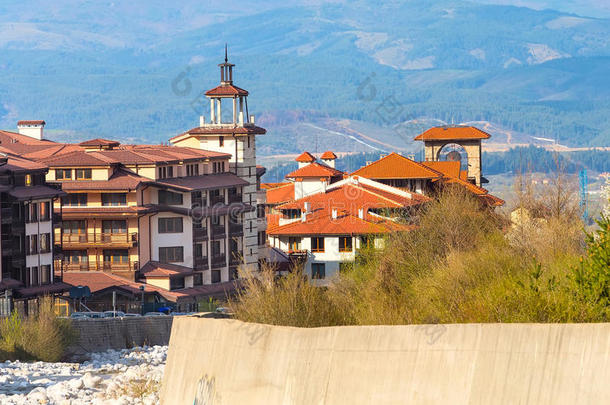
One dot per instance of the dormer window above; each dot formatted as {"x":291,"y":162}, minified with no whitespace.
{"x":83,"y":174}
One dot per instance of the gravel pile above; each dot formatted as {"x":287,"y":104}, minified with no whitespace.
{"x":128,"y":376}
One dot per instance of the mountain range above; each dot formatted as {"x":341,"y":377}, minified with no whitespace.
{"x":134,"y":71}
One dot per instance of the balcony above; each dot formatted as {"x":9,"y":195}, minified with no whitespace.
{"x":218,"y":231}
{"x":201,"y":263}
{"x":100,"y":239}
{"x":101,"y":266}
{"x":234,"y":198}
{"x":219,"y":261}
{"x":236,"y":257}
{"x":219,"y":199}
{"x":236,"y":229}
{"x":200,"y":234}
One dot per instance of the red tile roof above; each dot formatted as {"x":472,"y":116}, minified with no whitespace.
{"x":395,"y":166}
{"x":268,"y":186}
{"x":79,"y":158}
{"x":225,"y":130}
{"x":448,"y":133}
{"x":321,"y":223}
{"x":328,"y":155}
{"x":315,"y":170}
{"x":155,"y":269}
{"x":99,"y":142}
{"x":31,"y":122}
{"x":7,"y":138}
{"x":120,"y":180}
{"x":226,"y":90}
{"x":305,"y":157}
{"x":280,"y":194}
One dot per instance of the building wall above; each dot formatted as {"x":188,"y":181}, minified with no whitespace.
{"x":184,"y":238}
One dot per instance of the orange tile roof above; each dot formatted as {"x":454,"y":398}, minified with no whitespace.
{"x":448,"y":168}
{"x":78,"y":158}
{"x":155,"y":269}
{"x":280,"y":194}
{"x":120,"y":180}
{"x":305,"y":157}
{"x":328,"y":155}
{"x":447,"y":133}
{"x":322,"y":223}
{"x":226,"y":90}
{"x":395,"y":166}
{"x":267,"y":186}
{"x":463,"y":174}
{"x":315,"y":170}
{"x":351,"y":197}
{"x":7,"y":138}
{"x":212,"y":130}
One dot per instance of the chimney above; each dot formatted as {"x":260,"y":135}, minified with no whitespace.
{"x":252,"y":119}
{"x":33,"y":129}
{"x":201,"y":120}
{"x":328,"y":158}
{"x":303,"y":216}
{"x":307,"y":205}
{"x":361,"y":213}
{"x":334,"y":213}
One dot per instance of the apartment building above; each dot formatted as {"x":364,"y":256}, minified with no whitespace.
{"x":26,"y":237}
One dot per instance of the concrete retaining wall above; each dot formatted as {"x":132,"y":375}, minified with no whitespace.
{"x":223,"y":361}
{"x":96,"y":335}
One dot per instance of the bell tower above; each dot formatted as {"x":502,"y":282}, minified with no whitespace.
{"x":456,"y":142}
{"x":235,"y":134}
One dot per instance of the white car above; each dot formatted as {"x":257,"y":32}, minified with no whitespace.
{"x":155,"y":314}
{"x":114,"y":314}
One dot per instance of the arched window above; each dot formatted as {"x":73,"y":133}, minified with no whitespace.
{"x":454,"y":152}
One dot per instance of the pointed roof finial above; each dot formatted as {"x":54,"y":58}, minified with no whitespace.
{"x":226,"y":58}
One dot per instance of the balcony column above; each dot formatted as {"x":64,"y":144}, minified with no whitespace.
{"x":241,"y":110}
{"x":218,"y":111}
{"x":212,"y":111}
{"x":234,"y":110}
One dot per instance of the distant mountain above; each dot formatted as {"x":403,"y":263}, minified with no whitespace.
{"x":134,"y":70}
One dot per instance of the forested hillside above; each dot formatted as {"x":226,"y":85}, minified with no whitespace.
{"x":138,"y":76}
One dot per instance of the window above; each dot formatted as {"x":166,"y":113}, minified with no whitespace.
{"x":114,"y":199}
{"x":248,"y":142}
{"x":83,"y":174}
{"x":170,"y":171}
{"x":35,"y":275}
{"x":31,"y":242}
{"x":215,"y":276}
{"x":28,"y":179}
{"x":31,"y":214}
{"x":197,"y":279}
{"x":192,"y":169}
{"x":345,"y":244}
{"x":162,"y":173}
{"x":63,"y":174}
{"x":262,"y":238}
{"x":366,"y":242}
{"x":221,"y":141}
{"x":260,"y":211}
{"x":74,"y":226}
{"x":169,"y":198}
{"x":216,"y":248}
{"x":318,"y":271}
{"x":294,"y":243}
{"x":176,"y":283}
{"x":45,"y":242}
{"x":45,"y":211}
{"x":45,"y":274}
{"x":215,"y":220}
{"x":170,"y":225}
{"x":171,"y":254}
{"x":116,"y":256}
{"x":114,"y":226}
{"x":75,"y":200}
{"x":317,"y":244}
{"x":75,"y":256}
{"x":198,"y":250}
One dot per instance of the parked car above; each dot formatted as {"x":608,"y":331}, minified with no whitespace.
{"x":114,"y":314}
{"x":78,"y":315}
{"x":131,"y":315}
{"x":155,"y":314}
{"x":87,"y":315}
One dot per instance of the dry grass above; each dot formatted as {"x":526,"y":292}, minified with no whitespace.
{"x":463,"y":264}
{"x":41,"y":336}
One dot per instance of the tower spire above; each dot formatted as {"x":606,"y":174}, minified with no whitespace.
{"x":226,"y":69}
{"x":226,"y":57}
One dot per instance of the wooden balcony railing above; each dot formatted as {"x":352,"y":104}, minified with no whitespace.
{"x":219,"y":260}
{"x":100,"y":238}
{"x":233,"y":198}
{"x":100,"y":266}
{"x":217,"y":200}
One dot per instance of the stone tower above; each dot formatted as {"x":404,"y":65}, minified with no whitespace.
{"x":233,"y":132}
{"x":451,"y":143}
